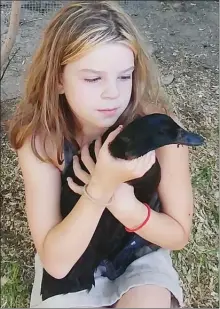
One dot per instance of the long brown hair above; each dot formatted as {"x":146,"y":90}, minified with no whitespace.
{"x":74,"y":31}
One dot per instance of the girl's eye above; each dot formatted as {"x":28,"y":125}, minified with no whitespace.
{"x":92,"y":80}
{"x":126,"y":77}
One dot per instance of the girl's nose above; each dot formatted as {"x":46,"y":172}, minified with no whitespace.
{"x":111,"y":91}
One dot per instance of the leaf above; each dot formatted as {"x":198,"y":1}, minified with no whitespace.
{"x":4,"y":280}
{"x":168,"y":79}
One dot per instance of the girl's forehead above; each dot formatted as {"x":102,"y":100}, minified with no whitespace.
{"x":106,"y":57}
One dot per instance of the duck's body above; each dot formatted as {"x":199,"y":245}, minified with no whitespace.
{"x":110,"y":241}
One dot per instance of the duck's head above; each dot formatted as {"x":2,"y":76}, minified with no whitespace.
{"x":149,"y":133}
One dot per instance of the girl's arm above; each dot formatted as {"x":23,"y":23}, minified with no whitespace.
{"x":170,"y":229}
{"x":58,"y":243}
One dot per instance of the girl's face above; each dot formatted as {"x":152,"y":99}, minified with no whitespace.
{"x":98,"y":86}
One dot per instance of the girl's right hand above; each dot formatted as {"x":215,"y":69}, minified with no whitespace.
{"x":110,"y":172}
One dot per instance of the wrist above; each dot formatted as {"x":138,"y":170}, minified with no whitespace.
{"x":104,"y":183}
{"x":100,"y":192}
{"x":142,"y":223}
{"x":133,"y":219}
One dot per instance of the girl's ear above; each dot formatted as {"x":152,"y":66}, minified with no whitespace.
{"x":60,"y":88}
{"x":60,"y":85}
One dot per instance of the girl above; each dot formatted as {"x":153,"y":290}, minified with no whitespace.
{"x":92,"y":71}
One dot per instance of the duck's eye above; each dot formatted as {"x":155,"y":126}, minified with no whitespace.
{"x":125,"y":139}
{"x":161,"y":131}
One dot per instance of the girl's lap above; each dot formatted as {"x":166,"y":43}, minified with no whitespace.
{"x":150,"y":281}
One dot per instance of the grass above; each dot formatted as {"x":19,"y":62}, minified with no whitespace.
{"x":14,"y":291}
{"x":198,"y":262}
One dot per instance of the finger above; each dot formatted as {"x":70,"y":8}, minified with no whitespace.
{"x":98,"y":146}
{"x":145,"y":163}
{"x":74,"y":187}
{"x":112,"y":135}
{"x":148,"y":156}
{"x":150,"y":159}
{"x":86,"y":159}
{"x":79,"y":172}
{"x":153,"y":157}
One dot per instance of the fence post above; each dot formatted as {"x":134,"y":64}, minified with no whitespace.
{"x":12,"y":31}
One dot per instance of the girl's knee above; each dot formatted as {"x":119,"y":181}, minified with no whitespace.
{"x":147,"y":296}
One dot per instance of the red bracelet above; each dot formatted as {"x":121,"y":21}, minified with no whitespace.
{"x":142,"y":224}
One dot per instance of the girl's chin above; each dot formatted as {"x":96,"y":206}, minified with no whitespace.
{"x":106,"y":123}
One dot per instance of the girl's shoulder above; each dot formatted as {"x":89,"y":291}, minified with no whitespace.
{"x":67,"y":152}
{"x":46,"y":148}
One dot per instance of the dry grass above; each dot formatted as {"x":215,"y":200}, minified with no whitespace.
{"x":16,"y":245}
{"x":196,"y":102}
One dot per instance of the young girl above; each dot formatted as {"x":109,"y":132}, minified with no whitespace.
{"x":92,"y":71}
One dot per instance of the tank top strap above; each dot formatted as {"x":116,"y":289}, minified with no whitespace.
{"x":69,"y":151}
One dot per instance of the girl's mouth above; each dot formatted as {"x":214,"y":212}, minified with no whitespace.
{"x":108,"y":111}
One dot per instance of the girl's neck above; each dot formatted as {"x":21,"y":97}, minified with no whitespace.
{"x":87,"y":136}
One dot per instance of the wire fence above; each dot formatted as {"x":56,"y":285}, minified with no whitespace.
{"x":32,"y":8}
{"x":42,"y":6}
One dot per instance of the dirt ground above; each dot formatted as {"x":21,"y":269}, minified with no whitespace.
{"x":180,"y":32}
{"x":183,"y":37}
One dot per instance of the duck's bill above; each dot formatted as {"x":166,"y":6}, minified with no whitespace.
{"x":189,"y":139}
